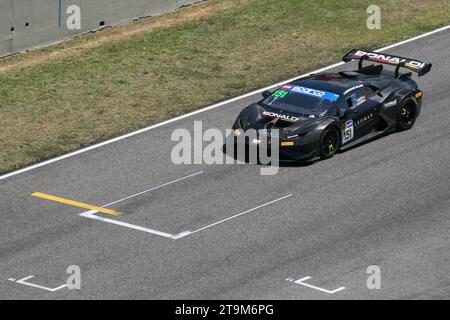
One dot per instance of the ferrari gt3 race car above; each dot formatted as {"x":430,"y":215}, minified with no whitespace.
{"x":322,"y":113}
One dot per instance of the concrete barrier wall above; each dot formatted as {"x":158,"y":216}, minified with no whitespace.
{"x":25,"y":24}
{"x":5,"y":26}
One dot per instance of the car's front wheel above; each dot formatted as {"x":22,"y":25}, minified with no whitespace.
{"x":329,"y":143}
{"x":407,"y":115}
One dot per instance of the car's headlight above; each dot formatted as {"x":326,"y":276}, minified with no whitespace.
{"x":298,"y":135}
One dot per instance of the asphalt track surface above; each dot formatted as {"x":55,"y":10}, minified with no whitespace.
{"x":383,"y":203}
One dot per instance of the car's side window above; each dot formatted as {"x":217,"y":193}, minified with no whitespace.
{"x":353,"y":100}
{"x":344,"y":104}
{"x":350,"y":101}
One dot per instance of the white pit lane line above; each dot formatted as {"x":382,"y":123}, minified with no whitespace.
{"x":237,"y":215}
{"x":91,"y":214}
{"x":302,"y":282}
{"x":25,"y":282}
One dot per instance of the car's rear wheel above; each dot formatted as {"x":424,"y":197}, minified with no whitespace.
{"x":407,"y":115}
{"x":329,"y":143}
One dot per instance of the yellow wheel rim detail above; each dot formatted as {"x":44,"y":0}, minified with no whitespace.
{"x":330,"y":148}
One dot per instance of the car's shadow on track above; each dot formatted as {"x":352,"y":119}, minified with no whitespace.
{"x":307,"y":163}
{"x":296,"y":164}
{"x":282,"y":163}
{"x":359,"y":144}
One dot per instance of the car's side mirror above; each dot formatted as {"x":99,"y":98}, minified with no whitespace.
{"x":267,"y":94}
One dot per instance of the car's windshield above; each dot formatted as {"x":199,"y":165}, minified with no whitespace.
{"x":303,"y":100}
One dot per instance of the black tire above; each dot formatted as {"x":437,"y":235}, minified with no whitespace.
{"x":329,"y":143}
{"x":407,"y":115}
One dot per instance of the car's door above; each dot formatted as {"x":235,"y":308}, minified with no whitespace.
{"x":368,"y":112}
{"x":359,"y":114}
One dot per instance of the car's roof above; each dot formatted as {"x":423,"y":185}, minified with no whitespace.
{"x":340,"y":82}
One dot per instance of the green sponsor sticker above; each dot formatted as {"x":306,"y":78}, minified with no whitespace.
{"x":280,"y":94}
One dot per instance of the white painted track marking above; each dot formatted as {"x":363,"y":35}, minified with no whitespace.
{"x":104,"y":143}
{"x":152,"y":189}
{"x":239,"y":214}
{"x":24,"y":282}
{"x":301,"y":282}
{"x":92,"y":215}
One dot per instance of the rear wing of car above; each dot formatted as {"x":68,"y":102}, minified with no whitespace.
{"x":420,"y":67}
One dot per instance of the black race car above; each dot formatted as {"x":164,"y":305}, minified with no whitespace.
{"x":322,"y":113}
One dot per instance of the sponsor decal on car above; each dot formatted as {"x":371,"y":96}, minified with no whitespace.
{"x":289,"y":88}
{"x":284,"y":117}
{"x":353,"y":88}
{"x":363,"y":120}
{"x":315,"y":93}
{"x":390,"y":104}
{"x":280,"y":94}
{"x":360,"y":100}
{"x":390,"y":59}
